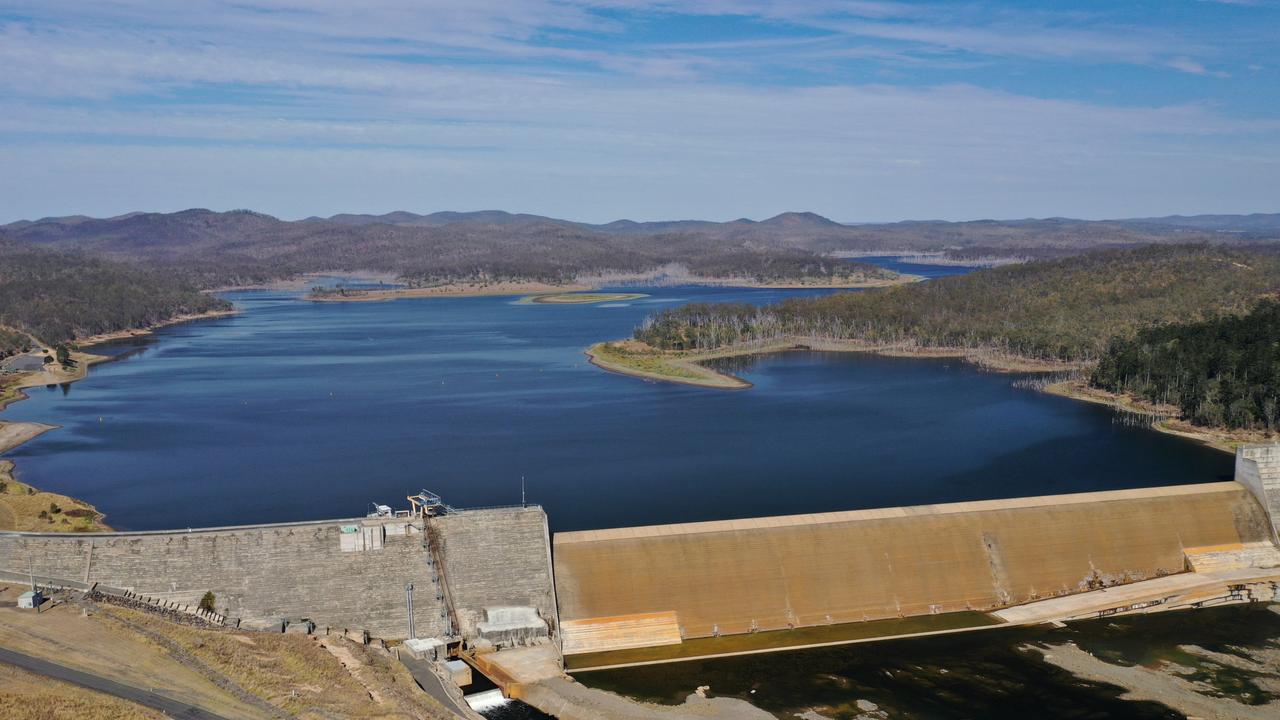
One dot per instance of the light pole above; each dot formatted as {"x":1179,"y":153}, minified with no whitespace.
{"x":408,"y":596}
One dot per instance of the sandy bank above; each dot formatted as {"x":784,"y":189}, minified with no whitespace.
{"x":136,"y":332}
{"x":848,"y":283}
{"x":449,"y":290}
{"x":533,"y":289}
{"x":632,"y":357}
{"x":50,"y":374}
{"x":580,"y":298}
{"x":14,"y":434}
{"x":55,"y":374}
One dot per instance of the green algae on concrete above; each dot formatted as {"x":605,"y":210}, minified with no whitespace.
{"x":698,"y":648}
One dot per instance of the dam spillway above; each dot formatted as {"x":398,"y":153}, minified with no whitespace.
{"x":646,"y":586}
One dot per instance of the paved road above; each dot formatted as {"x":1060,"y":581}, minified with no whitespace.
{"x":168,"y":706}
{"x":427,"y":680}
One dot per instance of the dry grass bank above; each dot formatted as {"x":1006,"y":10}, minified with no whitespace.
{"x":27,"y":509}
{"x":35,"y":697}
{"x":232,"y":673}
{"x":631,"y":357}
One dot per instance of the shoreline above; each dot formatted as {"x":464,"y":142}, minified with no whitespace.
{"x":531,"y":288}
{"x":611,"y":357}
{"x":450,"y":290}
{"x":138,"y":332}
{"x":1165,"y":419}
{"x":579,"y":298}
{"x":635,"y":359}
{"x":631,"y":357}
{"x":19,"y":501}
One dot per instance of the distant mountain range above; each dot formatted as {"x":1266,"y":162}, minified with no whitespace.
{"x":241,"y":246}
{"x":1256,"y":222}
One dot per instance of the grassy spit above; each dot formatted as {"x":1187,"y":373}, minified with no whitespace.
{"x":639,"y":359}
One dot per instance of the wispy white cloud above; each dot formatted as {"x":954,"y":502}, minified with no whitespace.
{"x":602,"y":108}
{"x":1188,"y":65}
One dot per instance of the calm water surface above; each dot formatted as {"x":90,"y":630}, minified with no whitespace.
{"x":301,"y":410}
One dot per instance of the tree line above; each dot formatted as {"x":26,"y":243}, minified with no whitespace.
{"x":1223,"y":372}
{"x":59,"y":297}
{"x":1066,"y":309}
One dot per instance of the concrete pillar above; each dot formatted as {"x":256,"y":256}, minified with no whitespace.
{"x":1258,"y":468}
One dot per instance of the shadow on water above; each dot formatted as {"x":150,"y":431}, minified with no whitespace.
{"x":995,"y":674}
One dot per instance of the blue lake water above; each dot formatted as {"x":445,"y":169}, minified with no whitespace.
{"x":300,"y":410}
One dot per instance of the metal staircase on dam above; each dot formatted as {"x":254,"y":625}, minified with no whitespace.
{"x":424,"y":507}
{"x":435,"y":570}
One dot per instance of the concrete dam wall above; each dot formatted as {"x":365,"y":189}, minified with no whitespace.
{"x":495,"y":577}
{"x":342,"y":573}
{"x":655,"y":585}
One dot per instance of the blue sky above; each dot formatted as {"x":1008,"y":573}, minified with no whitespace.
{"x":603,"y":109}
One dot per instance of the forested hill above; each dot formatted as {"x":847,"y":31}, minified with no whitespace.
{"x":1221,"y":372}
{"x":242,"y":247}
{"x":1066,"y":309}
{"x":61,"y":297}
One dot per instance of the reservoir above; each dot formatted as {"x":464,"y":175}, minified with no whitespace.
{"x":301,"y":410}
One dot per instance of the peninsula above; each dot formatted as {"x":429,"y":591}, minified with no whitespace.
{"x":1095,"y":317}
